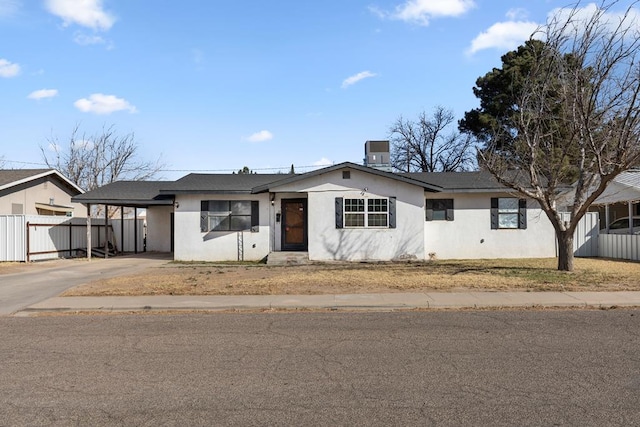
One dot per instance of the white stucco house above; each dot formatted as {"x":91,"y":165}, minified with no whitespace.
{"x":341,"y":212}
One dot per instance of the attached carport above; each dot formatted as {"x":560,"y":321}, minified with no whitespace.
{"x":620,"y":198}
{"x":123,"y":194}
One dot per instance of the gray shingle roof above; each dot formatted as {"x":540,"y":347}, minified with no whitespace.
{"x":220,"y":183}
{"x":144,"y":193}
{"x":450,"y":181}
{"x":12,"y":177}
{"x":127,"y":193}
{"x":8,"y":176}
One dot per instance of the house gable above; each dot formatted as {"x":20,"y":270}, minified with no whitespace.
{"x":38,"y":191}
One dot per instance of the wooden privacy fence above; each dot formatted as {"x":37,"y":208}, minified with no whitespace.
{"x":34,"y":237}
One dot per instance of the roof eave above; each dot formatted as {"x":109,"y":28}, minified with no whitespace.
{"x":42,"y":175}
{"x":175,"y":192}
{"x":123,"y":202}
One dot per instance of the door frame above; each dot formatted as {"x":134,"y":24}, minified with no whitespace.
{"x":297,"y":247}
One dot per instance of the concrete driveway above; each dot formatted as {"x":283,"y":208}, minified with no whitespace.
{"x":35,"y":282}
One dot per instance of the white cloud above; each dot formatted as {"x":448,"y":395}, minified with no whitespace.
{"x":579,"y":17}
{"x":8,"y":69}
{"x":43,"y":93}
{"x":356,"y":78}
{"x":503,"y":36}
{"x":422,"y":12}
{"x":518,"y":14}
{"x":263,"y":135}
{"x":323,"y":162}
{"x":9,"y":7}
{"x":86,"y":13}
{"x":86,"y":40}
{"x":99,"y":103}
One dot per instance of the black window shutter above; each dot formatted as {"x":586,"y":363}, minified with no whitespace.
{"x":255,"y":215}
{"x":429,"y":209}
{"x":392,"y":212}
{"x":204,"y":209}
{"x":449,"y":205}
{"x":522,"y":213}
{"x":339,"y":211}
{"x":494,"y":213}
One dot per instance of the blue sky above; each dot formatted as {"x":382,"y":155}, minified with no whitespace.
{"x":218,"y":85}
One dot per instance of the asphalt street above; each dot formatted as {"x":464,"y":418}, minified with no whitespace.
{"x":47,"y":279}
{"x":532,"y":367}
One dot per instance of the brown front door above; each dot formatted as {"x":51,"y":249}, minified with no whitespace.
{"x":294,"y":224}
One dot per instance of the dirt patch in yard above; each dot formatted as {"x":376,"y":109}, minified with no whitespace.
{"x":342,"y":278}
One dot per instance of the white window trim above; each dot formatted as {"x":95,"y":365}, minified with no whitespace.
{"x":366,"y":213}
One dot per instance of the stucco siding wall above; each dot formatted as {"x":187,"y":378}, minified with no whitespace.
{"x":326,"y":242}
{"x":193,"y":245}
{"x":159,"y":228}
{"x":469,"y":235}
{"x":38,"y":193}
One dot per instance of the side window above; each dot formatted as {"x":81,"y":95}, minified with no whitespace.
{"x":439,"y":209}
{"x":229,"y":215}
{"x":508,"y":213}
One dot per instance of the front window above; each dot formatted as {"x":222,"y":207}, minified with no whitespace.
{"x":366,"y":212}
{"x":226,"y":215}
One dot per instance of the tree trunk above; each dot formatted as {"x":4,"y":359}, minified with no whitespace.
{"x":565,"y":251}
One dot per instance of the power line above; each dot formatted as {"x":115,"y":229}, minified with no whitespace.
{"x":196,"y":170}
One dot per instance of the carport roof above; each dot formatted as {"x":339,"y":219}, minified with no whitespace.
{"x":127,"y":193}
{"x":624,"y":188}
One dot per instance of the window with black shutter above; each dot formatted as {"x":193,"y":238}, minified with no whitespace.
{"x":508,"y":213}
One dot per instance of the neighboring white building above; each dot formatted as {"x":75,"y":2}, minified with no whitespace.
{"x":38,"y":192}
{"x":342,"y":212}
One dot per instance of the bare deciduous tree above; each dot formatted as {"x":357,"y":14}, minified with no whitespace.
{"x":92,"y":161}
{"x":425,"y":145}
{"x":577,"y":117}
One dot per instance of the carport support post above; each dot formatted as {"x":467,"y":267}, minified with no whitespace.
{"x":121,"y":229}
{"x":606,"y":217}
{"x":106,"y":231}
{"x":630,"y":205}
{"x":135,"y":230}
{"x":89,"y":231}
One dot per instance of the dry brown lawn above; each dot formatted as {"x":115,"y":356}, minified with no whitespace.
{"x":444,"y":276}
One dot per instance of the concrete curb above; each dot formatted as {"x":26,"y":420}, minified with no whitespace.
{"x":374,"y":302}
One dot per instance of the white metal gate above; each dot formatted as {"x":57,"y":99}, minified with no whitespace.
{"x":37,"y":237}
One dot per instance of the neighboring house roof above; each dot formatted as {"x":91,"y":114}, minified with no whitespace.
{"x":127,"y":193}
{"x":624,"y":188}
{"x":347,"y":165}
{"x":14,"y":177}
{"x":219,"y":183}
